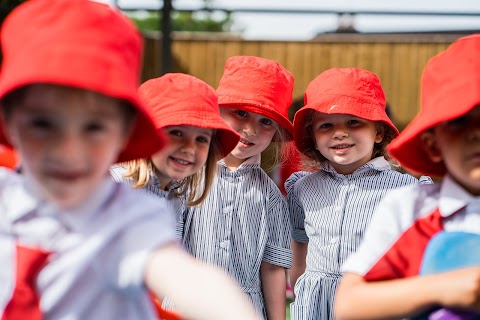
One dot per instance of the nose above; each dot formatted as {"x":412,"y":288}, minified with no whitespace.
{"x":188,"y":146}
{"x":68,"y":148}
{"x":250,"y":129}
{"x":340,"y":133}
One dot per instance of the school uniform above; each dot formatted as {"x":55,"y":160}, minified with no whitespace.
{"x":243,"y":222}
{"x":330,"y":212}
{"x":393,"y":246}
{"x":98,"y":250}
{"x":176,"y":203}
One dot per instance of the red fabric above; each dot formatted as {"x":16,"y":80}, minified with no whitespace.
{"x":77,"y":43}
{"x":257,"y":85}
{"x":450,"y":88}
{"x":404,"y":258}
{"x":353,"y":91}
{"x":180,"y":99}
{"x":25,"y":301}
{"x":8,"y":158}
{"x":162,"y":313}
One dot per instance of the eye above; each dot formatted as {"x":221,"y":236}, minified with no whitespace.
{"x":354,"y":122}
{"x":324,"y":126}
{"x":95,"y":127}
{"x":175,"y":132}
{"x":41,"y":123}
{"x":266,"y":121}
{"x":203,"y":139}
{"x":241,"y":113}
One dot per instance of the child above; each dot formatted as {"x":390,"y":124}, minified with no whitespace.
{"x":74,"y":244}
{"x":243,"y":224}
{"x":443,"y":140}
{"x":344,"y":127}
{"x":186,"y":110}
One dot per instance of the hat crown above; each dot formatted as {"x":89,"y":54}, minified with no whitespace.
{"x":349,"y":82}
{"x":257,"y":81}
{"x":178,"y":94}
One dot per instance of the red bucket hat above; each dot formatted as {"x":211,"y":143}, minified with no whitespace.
{"x":180,"y":99}
{"x":450,"y":88}
{"x":257,"y":85}
{"x":82,"y":44}
{"x":351,"y":91}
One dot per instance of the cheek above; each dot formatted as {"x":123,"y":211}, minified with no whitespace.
{"x":159,"y":159}
{"x":203,"y":155}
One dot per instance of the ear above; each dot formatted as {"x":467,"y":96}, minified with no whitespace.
{"x":380,"y":133}
{"x":430,"y":146}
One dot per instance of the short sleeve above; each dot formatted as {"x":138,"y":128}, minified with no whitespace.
{"x":278,"y":248}
{"x":295,"y":209}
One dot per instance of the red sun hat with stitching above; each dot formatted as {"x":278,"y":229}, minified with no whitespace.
{"x":178,"y":99}
{"x":450,"y":88}
{"x":257,"y":85}
{"x":351,"y":91}
{"x":82,"y":44}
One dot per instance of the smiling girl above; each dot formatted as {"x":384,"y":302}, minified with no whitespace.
{"x":186,"y":110}
{"x":243,"y":224}
{"x":343,"y":126}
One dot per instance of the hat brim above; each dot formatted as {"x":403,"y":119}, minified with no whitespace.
{"x":408,"y":148}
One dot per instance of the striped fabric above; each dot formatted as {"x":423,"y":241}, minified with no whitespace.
{"x":153,"y":187}
{"x":330,"y":211}
{"x":243,"y":222}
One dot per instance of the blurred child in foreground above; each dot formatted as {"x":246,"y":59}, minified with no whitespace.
{"x":381,"y":279}
{"x":73,"y":243}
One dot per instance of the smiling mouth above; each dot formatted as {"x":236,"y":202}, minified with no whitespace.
{"x":247,"y":143}
{"x":180,"y":161}
{"x":342,"y":146}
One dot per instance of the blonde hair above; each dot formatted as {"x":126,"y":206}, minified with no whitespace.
{"x":379,"y":149}
{"x":194,"y":188}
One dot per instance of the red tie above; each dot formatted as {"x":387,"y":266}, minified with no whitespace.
{"x":25,"y":301}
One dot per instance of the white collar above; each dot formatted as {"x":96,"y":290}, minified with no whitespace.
{"x":453,"y":197}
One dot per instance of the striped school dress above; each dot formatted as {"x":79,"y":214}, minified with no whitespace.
{"x":243,"y":222}
{"x":330,"y":212}
{"x":176,"y":204}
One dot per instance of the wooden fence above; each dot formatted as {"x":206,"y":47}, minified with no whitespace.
{"x":398,"y":60}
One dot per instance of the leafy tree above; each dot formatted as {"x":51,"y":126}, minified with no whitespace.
{"x":205,"y":21}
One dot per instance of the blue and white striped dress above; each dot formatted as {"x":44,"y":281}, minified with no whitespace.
{"x":330,"y":211}
{"x":153,"y":187}
{"x":243,"y":221}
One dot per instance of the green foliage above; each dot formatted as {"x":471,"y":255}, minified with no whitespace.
{"x":183,"y":21}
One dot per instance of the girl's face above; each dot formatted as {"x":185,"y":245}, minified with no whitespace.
{"x":256,"y":133}
{"x":345,"y":140}
{"x":457,"y":144}
{"x":185,"y":153}
{"x":67,"y":139}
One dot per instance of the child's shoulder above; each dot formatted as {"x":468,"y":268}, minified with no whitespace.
{"x":118,"y":172}
{"x":417,"y":197}
{"x":295,"y":178}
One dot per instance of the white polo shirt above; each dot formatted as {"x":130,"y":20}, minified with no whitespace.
{"x":99,"y":250}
